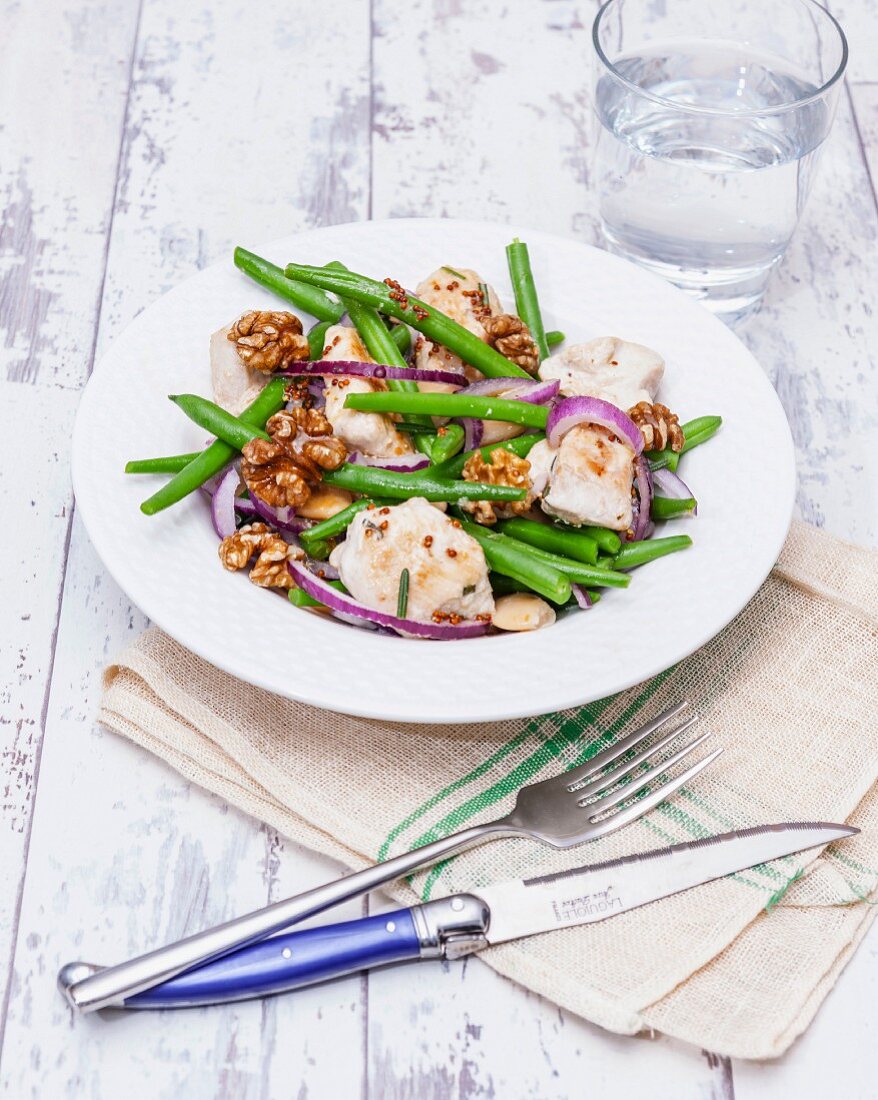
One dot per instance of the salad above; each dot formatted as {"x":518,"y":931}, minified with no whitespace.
{"x":432,"y":463}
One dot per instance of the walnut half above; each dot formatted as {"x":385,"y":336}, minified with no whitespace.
{"x":268,"y":340}
{"x":271,"y":553}
{"x":659,"y":427}
{"x":510,"y":336}
{"x":504,"y":468}
{"x":283,"y":477}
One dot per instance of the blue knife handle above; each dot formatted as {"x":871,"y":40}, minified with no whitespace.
{"x":289,"y":961}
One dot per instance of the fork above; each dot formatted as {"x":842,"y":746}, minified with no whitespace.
{"x":581,"y":804}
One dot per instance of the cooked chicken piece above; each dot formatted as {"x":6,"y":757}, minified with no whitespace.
{"x":234,"y":385}
{"x":371,"y":433}
{"x":615,"y":370}
{"x":455,"y":291}
{"x":587,"y":479}
{"x":448,"y":575}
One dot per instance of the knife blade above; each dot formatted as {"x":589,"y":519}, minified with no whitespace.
{"x":461,"y":924}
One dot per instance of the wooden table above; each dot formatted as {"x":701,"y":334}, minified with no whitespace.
{"x":140,"y":140}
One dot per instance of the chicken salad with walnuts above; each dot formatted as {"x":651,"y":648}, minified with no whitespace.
{"x":430,"y":464}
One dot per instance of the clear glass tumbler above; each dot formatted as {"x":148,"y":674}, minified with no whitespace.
{"x":711,"y":118}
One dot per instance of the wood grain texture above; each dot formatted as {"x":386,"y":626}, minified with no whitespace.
{"x":206,"y":160}
{"x":58,"y":162}
{"x":816,"y":335}
{"x":238,"y":128}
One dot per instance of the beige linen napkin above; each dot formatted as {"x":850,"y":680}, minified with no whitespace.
{"x":738,"y":966}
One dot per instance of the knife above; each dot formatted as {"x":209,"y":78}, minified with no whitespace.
{"x":461,"y":924}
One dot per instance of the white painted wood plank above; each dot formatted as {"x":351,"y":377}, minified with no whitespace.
{"x":470,"y":1032}
{"x":482,"y":110}
{"x":58,"y":158}
{"x":816,"y":335}
{"x":242,"y":128}
{"x":864,"y":100}
{"x":859,"y":20}
{"x":212,"y":155}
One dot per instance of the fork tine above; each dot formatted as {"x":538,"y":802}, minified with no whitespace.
{"x":604,"y":781}
{"x":616,"y":798}
{"x":613,"y":752}
{"x":650,"y":801}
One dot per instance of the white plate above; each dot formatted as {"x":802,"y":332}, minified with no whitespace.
{"x":167,"y":564}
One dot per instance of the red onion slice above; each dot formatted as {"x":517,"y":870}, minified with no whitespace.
{"x":643,"y":482}
{"x":403,"y":464}
{"x":352,"y":368}
{"x":321,"y":569}
{"x":473,"y":430}
{"x":222,"y":503}
{"x":284,"y":519}
{"x":666,"y":483}
{"x":536,"y":392}
{"x":581,"y":596}
{"x":573,"y":411}
{"x":341,"y":604}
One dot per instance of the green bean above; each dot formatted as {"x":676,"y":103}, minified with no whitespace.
{"x":171,"y":464}
{"x":506,"y":586}
{"x":300,"y":294}
{"x":317,"y":339}
{"x":208,"y":415}
{"x":449,"y":440}
{"x":210,"y":461}
{"x":506,"y":556}
{"x":381,"y":346}
{"x":570,"y":544}
{"x":666,"y":508}
{"x":401,"y":336}
{"x":639,"y":553}
{"x":600,"y":576}
{"x":298,"y":597}
{"x":386,"y":483}
{"x":434,"y":324}
{"x":527,"y":303}
{"x":607,"y":540}
{"x":451,"y":404}
{"x":415,"y":428}
{"x":520,"y":445}
{"x":695,"y":432}
{"x":329,"y":528}
{"x":554,"y":337}
{"x":700,"y":430}
{"x":321,"y":548}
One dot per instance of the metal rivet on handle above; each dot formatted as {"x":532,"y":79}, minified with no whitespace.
{"x":390,"y":926}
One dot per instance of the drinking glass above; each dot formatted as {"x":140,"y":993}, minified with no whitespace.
{"x":712,"y":114}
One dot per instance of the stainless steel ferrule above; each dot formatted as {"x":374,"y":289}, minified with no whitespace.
{"x":449,"y":928}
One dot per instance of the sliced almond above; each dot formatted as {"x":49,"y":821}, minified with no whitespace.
{"x":522,"y":611}
{"x":325,"y":502}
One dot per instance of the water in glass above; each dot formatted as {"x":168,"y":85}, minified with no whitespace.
{"x":708,"y":197}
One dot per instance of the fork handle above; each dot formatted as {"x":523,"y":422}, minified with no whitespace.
{"x":114,"y":984}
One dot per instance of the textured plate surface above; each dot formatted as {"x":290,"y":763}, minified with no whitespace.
{"x":167,"y":564}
